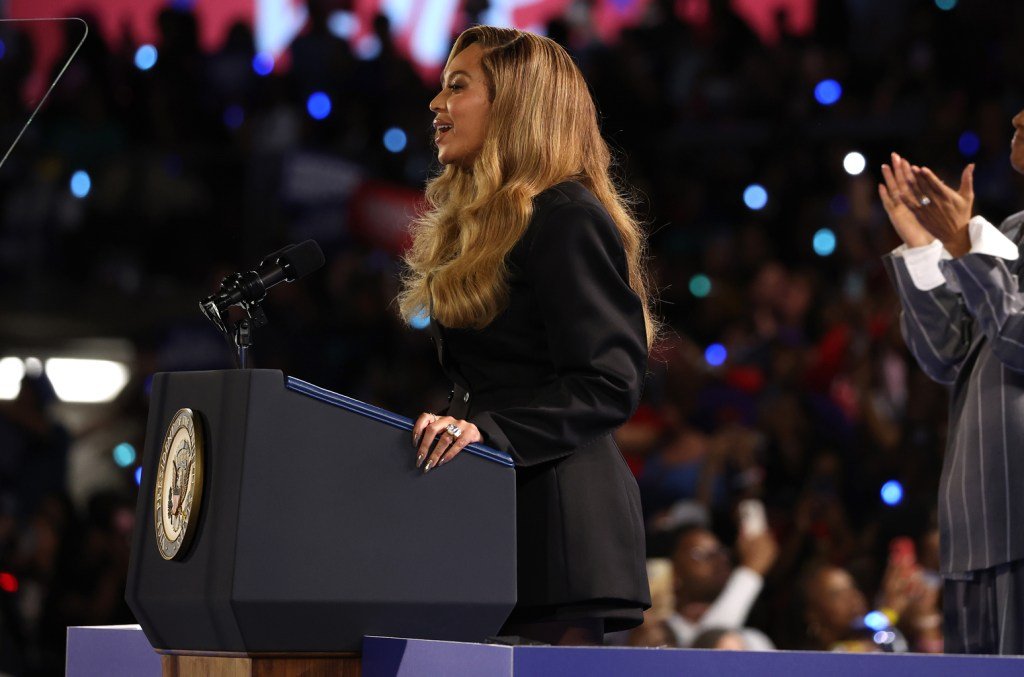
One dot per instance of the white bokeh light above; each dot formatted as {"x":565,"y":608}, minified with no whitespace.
{"x":12,"y":370}
{"x":854,"y":163}
{"x":80,"y":380}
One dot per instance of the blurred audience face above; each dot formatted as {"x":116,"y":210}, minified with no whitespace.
{"x":702,"y":567}
{"x":462,"y":109}
{"x":833,"y":604}
{"x":1017,"y":143}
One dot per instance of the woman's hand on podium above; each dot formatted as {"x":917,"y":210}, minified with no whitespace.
{"x":452,"y":436}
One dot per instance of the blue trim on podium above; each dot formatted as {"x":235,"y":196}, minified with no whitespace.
{"x":393,"y":657}
{"x":383,"y":415}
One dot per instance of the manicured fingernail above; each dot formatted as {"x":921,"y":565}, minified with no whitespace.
{"x":419,"y":460}
{"x":428,"y":466}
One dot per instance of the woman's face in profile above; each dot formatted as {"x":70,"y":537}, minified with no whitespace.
{"x":461,"y":109}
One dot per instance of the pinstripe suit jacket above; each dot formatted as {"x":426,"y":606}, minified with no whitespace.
{"x":973,"y":341}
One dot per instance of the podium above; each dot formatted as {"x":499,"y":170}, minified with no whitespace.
{"x":313,"y":527}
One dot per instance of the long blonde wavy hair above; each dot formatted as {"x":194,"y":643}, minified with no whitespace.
{"x":542,"y":130}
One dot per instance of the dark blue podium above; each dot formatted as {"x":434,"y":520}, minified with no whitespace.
{"x":315,"y":528}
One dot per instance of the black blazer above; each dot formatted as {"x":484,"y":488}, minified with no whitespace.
{"x":548,"y":381}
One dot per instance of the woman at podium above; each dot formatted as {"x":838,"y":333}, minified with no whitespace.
{"x":531,"y":267}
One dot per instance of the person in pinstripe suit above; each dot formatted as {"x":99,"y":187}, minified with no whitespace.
{"x":963,"y":319}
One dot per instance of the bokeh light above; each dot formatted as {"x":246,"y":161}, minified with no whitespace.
{"x":3,"y":49}
{"x":145,"y":57}
{"x":395,"y":140}
{"x":945,"y":5}
{"x":343,"y":24}
{"x":884,"y":637}
{"x":969,"y":144}
{"x":824,"y":242}
{"x":124,"y":455}
{"x":854,"y":163}
{"x":8,"y":582}
{"x":755,"y":196}
{"x":892,"y":492}
{"x":715,"y":355}
{"x":85,"y":380}
{"x":876,"y":620}
{"x":81,"y":184}
{"x":420,"y":320}
{"x":828,"y":92}
{"x":368,"y":48}
{"x":138,"y":476}
{"x":700,"y":285}
{"x":263,"y":64}
{"x":318,"y":105}
{"x":12,"y":370}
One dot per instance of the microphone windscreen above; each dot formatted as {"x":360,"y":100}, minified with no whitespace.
{"x":301,"y":259}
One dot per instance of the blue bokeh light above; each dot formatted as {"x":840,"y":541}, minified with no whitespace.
{"x":318,"y":105}
{"x":81,"y":184}
{"x":420,"y":320}
{"x":343,"y":24}
{"x":395,"y":140}
{"x":876,"y":620}
{"x":3,"y":49}
{"x":138,"y":475}
{"x":234,"y":116}
{"x":945,"y":5}
{"x":827,"y":92}
{"x":368,"y":48}
{"x":892,"y":492}
{"x":755,"y":196}
{"x":969,"y":144}
{"x":700,"y":285}
{"x":884,"y":637}
{"x":145,"y":57}
{"x":124,"y":455}
{"x":715,"y":355}
{"x":263,"y":63}
{"x":824,"y":242}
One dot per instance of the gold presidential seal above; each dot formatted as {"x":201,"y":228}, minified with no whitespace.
{"x":179,"y":484}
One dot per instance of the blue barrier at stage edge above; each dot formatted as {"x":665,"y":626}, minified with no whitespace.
{"x":110,"y":651}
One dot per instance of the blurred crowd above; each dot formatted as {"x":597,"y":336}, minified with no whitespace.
{"x":200,"y":165}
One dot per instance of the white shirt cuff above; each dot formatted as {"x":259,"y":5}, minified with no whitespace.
{"x":923,"y":264}
{"x":987,"y":239}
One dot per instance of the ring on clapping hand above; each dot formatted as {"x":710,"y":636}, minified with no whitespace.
{"x":925,"y":201}
{"x":453,"y":430}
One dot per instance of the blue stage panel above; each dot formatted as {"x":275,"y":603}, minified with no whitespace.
{"x":390,"y":657}
{"x":107,"y":650}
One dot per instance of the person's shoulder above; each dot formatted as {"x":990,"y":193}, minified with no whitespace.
{"x":565,"y":193}
{"x":568,"y":217}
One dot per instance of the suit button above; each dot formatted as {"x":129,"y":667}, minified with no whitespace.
{"x":465,"y":398}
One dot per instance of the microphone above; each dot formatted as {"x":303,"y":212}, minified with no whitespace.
{"x":245,"y":289}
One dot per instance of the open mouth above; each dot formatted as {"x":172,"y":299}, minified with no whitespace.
{"x":441,"y":130}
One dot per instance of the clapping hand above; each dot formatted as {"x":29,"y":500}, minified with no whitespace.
{"x":903,"y":219}
{"x":943,"y":212}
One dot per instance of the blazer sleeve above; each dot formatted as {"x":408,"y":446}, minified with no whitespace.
{"x":935,"y":323}
{"x":992,"y":296}
{"x":596,"y":336}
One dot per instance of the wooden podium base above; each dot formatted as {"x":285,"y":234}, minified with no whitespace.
{"x":265,"y":665}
